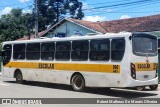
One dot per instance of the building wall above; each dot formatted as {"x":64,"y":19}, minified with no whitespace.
{"x":70,"y":29}
{"x":157,"y":33}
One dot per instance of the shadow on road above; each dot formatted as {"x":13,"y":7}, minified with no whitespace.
{"x":113,"y":92}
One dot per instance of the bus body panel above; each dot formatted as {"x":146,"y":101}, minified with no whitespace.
{"x":134,"y":83}
{"x":144,"y":59}
{"x":96,"y":73}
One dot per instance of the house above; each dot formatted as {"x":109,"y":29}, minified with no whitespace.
{"x":69,"y":27}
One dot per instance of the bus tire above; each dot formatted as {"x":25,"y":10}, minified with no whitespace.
{"x":153,"y":87}
{"x":19,"y":78}
{"x":77,"y":82}
{"x":140,"y":88}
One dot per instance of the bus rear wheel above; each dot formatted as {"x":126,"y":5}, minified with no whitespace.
{"x":153,"y":87}
{"x":19,"y":78}
{"x":77,"y":82}
{"x":140,"y":88}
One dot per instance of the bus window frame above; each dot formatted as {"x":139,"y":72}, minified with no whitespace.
{"x":33,"y":51}
{"x":53,"y":58}
{"x":111,"y":49}
{"x":62,"y":50}
{"x":5,"y":60}
{"x":74,"y":50}
{"x":24,"y":51}
{"x":144,"y":54}
{"x":108,"y":39}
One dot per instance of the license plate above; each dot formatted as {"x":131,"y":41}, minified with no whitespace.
{"x":146,"y":76}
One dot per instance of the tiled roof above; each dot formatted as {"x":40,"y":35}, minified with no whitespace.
{"x":91,"y":25}
{"x":31,"y":36}
{"x":140,"y":24}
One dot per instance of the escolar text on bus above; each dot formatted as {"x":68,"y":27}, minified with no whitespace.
{"x":46,"y":65}
{"x":142,"y":66}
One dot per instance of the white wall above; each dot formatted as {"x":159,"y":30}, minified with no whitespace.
{"x":70,"y":29}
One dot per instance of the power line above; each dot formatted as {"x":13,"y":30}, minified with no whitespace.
{"x":121,"y":4}
{"x":26,"y":2}
{"x":29,"y":6}
{"x":123,"y":12}
{"x":139,"y":5}
{"x":118,"y":1}
{"x":130,"y":12}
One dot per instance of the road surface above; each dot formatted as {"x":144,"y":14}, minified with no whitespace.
{"x":10,"y":89}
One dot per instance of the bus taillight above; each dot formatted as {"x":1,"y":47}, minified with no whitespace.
{"x":133,"y":71}
{"x":156,"y":70}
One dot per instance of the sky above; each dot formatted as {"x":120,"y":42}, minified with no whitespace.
{"x":97,"y":10}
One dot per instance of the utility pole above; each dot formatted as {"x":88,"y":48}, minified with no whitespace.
{"x":57,"y":9}
{"x":36,"y":19}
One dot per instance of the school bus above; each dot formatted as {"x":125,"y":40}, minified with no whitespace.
{"x":123,"y":59}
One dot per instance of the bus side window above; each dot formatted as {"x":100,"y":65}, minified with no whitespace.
{"x":117,"y":49}
{"x":99,"y":50}
{"x":80,"y":50}
{"x":158,"y":43}
{"x":19,"y":51}
{"x":7,"y":49}
{"x":63,"y":50}
{"x":47,"y":51}
{"x":33,"y":51}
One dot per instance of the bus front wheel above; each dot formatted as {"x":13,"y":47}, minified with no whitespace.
{"x":19,"y":78}
{"x":153,"y":87}
{"x":77,"y":82}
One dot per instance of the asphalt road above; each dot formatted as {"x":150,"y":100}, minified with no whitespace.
{"x":10,"y":89}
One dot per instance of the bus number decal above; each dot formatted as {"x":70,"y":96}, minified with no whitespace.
{"x":115,"y":68}
{"x":46,"y":65}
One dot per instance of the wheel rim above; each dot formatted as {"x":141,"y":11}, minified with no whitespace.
{"x":77,"y":82}
{"x":140,"y":88}
{"x":19,"y":77}
{"x":153,"y":87}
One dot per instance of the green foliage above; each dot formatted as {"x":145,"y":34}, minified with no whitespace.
{"x":14,"y":25}
{"x":51,"y":11}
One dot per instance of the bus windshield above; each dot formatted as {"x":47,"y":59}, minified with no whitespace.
{"x":144,"y":44}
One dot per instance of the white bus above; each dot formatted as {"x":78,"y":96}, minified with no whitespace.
{"x":112,"y":60}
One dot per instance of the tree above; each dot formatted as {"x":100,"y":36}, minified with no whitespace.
{"x":14,"y":25}
{"x":52,"y":11}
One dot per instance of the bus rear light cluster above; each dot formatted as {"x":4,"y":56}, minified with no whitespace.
{"x":156,"y":71}
{"x":133,"y":71}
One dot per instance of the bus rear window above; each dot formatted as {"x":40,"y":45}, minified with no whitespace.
{"x":144,"y":44}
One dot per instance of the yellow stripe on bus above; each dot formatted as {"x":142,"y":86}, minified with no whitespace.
{"x":108,"y":68}
{"x":145,"y":66}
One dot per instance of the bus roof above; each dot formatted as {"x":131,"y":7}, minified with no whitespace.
{"x":74,"y":37}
